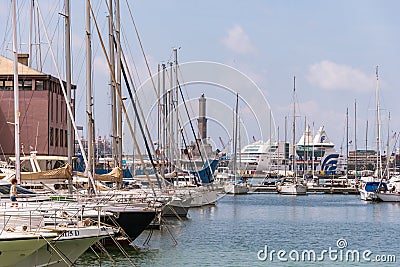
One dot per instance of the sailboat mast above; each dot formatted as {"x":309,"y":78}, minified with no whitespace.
{"x":285,"y":143}
{"x":112,"y":86}
{"x":378,"y":129}
{"x":366,"y":141}
{"x":387,"y":149}
{"x":347,"y":142}
{"x":90,"y":151}
{"x":70,"y":136}
{"x":118,"y":79}
{"x":294,"y":128}
{"x":16,"y":94}
{"x":176,"y":97}
{"x":235,"y":136}
{"x":355,"y":138}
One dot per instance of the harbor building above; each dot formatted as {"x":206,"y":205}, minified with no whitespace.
{"x":42,"y":109}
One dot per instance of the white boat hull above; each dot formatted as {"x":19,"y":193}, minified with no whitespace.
{"x":72,"y":243}
{"x":17,"y":248}
{"x":203,"y":198}
{"x":389,"y":197}
{"x":293,"y":189}
{"x":236,"y":189}
{"x":367,"y":196}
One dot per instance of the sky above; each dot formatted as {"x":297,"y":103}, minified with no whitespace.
{"x":332,"y":47}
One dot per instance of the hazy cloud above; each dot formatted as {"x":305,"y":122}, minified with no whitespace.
{"x":329,"y":75}
{"x":238,"y":41}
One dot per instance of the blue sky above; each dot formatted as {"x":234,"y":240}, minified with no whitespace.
{"x":332,"y":47}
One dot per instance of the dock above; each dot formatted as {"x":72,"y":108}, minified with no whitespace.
{"x":260,"y":188}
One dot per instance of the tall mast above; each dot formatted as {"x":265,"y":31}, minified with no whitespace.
{"x":70,"y":136}
{"x":366,"y":141}
{"x":16,"y":94}
{"x":176,"y":97}
{"x":31,"y":22}
{"x":171,"y":117}
{"x":294,"y":129}
{"x":387,"y":149}
{"x":89,"y":90}
{"x":158,"y":109}
{"x":285,"y":143}
{"x":347,"y":142}
{"x":112,"y":86}
{"x":164,"y":112}
{"x":355,"y":137}
{"x":118,"y":79}
{"x":378,"y":129}
{"x":235,"y":136}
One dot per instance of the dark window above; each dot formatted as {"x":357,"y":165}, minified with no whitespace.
{"x":66,"y":138}
{"x":27,"y":85}
{"x":51,"y":136}
{"x":61,"y":138}
{"x":56,"y":108}
{"x":56,"y":139}
{"x":51,"y":106}
{"x":39,"y":86}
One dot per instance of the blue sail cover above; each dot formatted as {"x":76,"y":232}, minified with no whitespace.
{"x":373,"y":186}
{"x":206,"y":174}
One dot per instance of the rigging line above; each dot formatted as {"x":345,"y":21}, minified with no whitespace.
{"x":51,"y":40}
{"x":146,"y":143}
{"x":121,"y":100}
{"x":136,"y":97}
{"x":20,"y":33}
{"x":131,"y":56}
{"x":141,"y":46}
{"x":7,"y":29}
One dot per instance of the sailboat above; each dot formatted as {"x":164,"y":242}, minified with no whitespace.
{"x":292,"y":186}
{"x":236,"y":187}
{"x":371,"y":186}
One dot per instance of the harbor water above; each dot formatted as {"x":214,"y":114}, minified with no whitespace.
{"x":249,"y":230}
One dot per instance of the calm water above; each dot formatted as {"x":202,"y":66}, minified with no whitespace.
{"x":232,"y":232}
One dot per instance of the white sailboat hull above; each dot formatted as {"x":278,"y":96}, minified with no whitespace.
{"x":293,"y":189}
{"x":389,"y":197}
{"x":367,"y":196}
{"x":16,"y":248}
{"x":72,"y":243}
{"x":236,"y":189}
{"x":203,"y":198}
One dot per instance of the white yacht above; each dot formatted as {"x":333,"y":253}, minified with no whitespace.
{"x":16,"y":245}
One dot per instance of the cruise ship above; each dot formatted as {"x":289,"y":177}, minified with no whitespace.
{"x":260,"y":159}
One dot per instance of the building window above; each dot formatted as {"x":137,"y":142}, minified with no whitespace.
{"x":61,"y":138}
{"x":56,"y":108}
{"x":56,"y":139}
{"x":2,"y":85}
{"x":27,"y":85}
{"x":39,"y":86}
{"x":51,"y":136}
{"x":51,"y":107}
{"x":9,"y":85}
{"x":66,"y":138}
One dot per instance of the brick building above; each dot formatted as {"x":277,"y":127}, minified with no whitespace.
{"x":43,"y":111}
